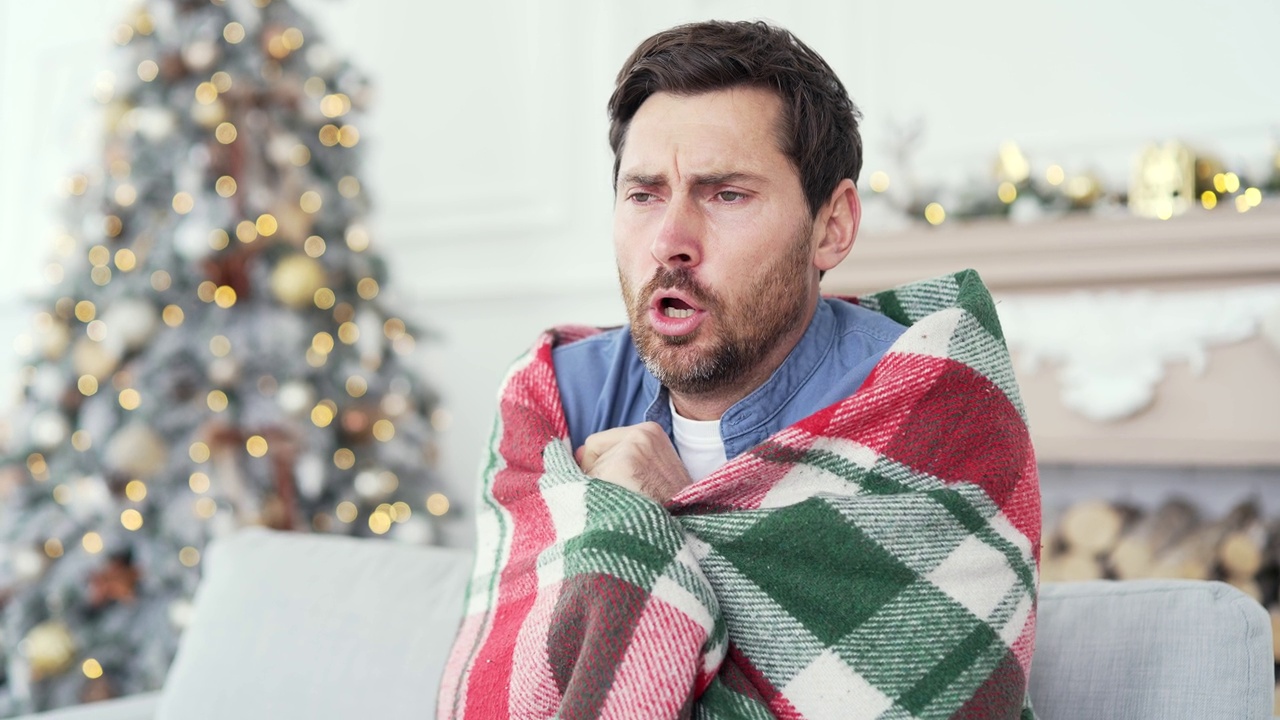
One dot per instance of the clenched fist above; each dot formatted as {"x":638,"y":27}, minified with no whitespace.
{"x":639,"y":458}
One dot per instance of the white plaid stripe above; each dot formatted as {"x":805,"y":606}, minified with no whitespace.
{"x":976,"y":575}
{"x":829,"y":688}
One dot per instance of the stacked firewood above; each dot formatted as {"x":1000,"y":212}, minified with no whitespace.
{"x":1096,"y":539}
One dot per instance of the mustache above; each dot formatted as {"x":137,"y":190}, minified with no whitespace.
{"x":681,"y":279}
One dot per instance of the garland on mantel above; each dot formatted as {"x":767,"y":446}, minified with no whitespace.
{"x":1167,"y":180}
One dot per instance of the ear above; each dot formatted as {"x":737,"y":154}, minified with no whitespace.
{"x":838,"y":220}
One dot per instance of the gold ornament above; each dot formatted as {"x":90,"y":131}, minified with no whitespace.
{"x":49,"y":648}
{"x":296,"y":279}
{"x":293,"y":224}
{"x":1163,"y":182}
{"x":136,"y":451}
{"x":93,"y":358}
{"x":209,"y":116}
{"x":54,"y":340}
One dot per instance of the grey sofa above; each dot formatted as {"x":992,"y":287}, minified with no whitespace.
{"x":322,"y":628}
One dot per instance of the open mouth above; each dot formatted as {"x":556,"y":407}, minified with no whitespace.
{"x":675,"y":314}
{"x":676,"y":308}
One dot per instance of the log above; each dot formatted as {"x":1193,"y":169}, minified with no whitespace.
{"x":1243,"y":551}
{"x":1195,"y":557}
{"x":1135,"y":553}
{"x":1093,"y":527}
{"x":1269,"y":576}
{"x":1070,"y":566}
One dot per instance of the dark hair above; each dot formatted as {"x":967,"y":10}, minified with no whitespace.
{"x":818,"y":127}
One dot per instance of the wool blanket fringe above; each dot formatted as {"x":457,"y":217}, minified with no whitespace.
{"x":876,"y":560}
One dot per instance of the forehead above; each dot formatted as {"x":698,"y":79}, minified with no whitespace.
{"x":735,"y":129}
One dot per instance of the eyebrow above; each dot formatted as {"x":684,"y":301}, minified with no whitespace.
{"x":710,"y":179}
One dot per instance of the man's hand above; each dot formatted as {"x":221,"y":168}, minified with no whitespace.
{"x":639,"y":458}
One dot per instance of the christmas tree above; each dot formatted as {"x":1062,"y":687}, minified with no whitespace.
{"x":215,"y":350}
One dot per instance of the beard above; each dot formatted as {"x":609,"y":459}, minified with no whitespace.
{"x":739,"y":336}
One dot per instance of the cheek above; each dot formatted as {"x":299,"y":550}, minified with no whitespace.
{"x":630,"y":247}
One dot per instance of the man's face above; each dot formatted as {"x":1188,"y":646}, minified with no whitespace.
{"x":713,"y":237}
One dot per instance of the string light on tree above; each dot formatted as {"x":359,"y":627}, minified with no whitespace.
{"x":210,"y":356}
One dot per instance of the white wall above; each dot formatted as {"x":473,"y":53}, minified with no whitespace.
{"x":487,"y":151}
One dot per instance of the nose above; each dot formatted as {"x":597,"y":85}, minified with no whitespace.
{"x":679,"y":239}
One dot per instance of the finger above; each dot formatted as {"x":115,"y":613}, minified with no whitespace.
{"x":598,"y":444}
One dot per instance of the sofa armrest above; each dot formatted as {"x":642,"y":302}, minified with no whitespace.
{"x":1139,"y":649}
{"x":136,"y":707}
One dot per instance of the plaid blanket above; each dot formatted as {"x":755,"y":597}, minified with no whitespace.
{"x":875,"y":560}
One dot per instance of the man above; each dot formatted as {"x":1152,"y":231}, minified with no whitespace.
{"x":729,"y":205}
{"x":752,"y":501}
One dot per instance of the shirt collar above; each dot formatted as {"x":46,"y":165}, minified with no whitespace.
{"x":749,"y":414}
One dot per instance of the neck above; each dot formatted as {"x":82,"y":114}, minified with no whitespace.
{"x":712,"y":404}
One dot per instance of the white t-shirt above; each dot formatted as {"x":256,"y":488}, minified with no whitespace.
{"x":699,"y":444}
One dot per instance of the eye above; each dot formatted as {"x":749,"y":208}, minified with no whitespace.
{"x":641,"y":197}
{"x":730,"y":196}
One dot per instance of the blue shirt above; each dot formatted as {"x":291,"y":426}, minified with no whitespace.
{"x":604,"y":384}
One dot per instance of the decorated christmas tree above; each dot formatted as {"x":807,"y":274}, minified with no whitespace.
{"x":215,"y":350}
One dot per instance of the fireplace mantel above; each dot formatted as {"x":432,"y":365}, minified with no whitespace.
{"x":1225,"y":412}
{"x":1203,"y":247}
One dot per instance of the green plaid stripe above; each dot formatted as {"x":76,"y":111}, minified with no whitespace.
{"x":754,"y":620}
{"x":909,"y":304}
{"x":968,"y":504}
{"x":891,"y":657}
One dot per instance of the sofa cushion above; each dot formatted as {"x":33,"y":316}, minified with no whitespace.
{"x":317,"y":627}
{"x":1151,"y":649}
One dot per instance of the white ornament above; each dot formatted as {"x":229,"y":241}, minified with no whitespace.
{"x":191,"y":237}
{"x":200,"y":55}
{"x":295,"y":397}
{"x":49,"y":429}
{"x":90,"y":498}
{"x":27,"y":565}
{"x":1112,"y":347}
{"x":224,"y":371}
{"x":368,"y":485}
{"x":280,"y":148}
{"x":130,"y":322}
{"x":309,"y":474}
